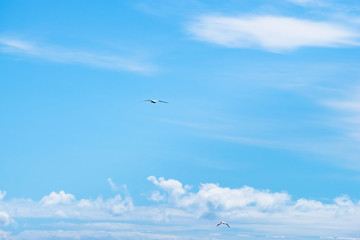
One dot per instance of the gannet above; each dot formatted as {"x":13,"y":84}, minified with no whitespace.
{"x":155,"y":101}
{"x":225,"y":223}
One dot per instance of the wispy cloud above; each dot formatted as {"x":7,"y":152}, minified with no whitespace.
{"x":72,"y":56}
{"x":272,"y":33}
{"x":91,"y":234}
{"x":306,"y":2}
{"x":351,"y":106}
{"x":301,"y":1}
{"x":347,"y":113}
{"x":228,"y":130}
{"x":2,"y":194}
{"x":113,"y":186}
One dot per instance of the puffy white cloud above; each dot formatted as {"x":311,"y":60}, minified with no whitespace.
{"x":4,"y":218}
{"x":305,"y":205}
{"x":344,"y":202}
{"x":275,"y":213}
{"x":273,"y":33}
{"x":213,"y":196}
{"x":156,"y":196}
{"x":57,"y":198}
{"x":118,"y":206}
{"x":173,"y":187}
{"x":64,"y":205}
{"x":227,"y":198}
{"x":250,"y":211}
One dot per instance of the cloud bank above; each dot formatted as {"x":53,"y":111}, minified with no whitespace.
{"x":179,"y":212}
{"x":263,"y":211}
{"x":271,"y":33}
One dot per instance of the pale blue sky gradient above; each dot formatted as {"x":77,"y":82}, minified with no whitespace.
{"x":261,"y":94}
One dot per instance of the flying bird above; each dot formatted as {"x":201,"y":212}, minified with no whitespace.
{"x":225,"y":223}
{"x":154,"y":101}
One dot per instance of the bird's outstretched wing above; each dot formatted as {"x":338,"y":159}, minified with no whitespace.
{"x":163,"y":101}
{"x":218,"y":224}
{"x":147,"y":100}
{"x":227,"y":224}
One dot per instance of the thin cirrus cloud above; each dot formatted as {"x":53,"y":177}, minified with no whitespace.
{"x":271,"y":33}
{"x":347,"y":115}
{"x":72,"y":56}
{"x":300,"y":1}
{"x":303,"y":2}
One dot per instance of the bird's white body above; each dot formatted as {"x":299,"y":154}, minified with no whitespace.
{"x":225,"y":223}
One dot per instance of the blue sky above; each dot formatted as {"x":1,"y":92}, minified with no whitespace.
{"x":262,"y":129}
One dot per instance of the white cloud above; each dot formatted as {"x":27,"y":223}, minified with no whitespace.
{"x":4,"y":218}
{"x":4,"y":235}
{"x":64,"y":205}
{"x":2,"y":194}
{"x":303,"y":2}
{"x":112,"y":185}
{"x":276,"y":213}
{"x":156,"y":196}
{"x":57,"y":198}
{"x":226,"y":198}
{"x":117,"y":206}
{"x":65,"y":55}
{"x":171,"y":186}
{"x":91,"y":234}
{"x":213,"y":197}
{"x":273,"y":33}
{"x":185,"y":213}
